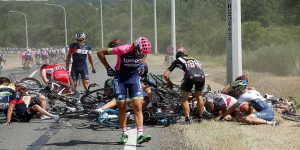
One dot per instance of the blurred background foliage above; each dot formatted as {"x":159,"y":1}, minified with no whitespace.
{"x":270,"y":28}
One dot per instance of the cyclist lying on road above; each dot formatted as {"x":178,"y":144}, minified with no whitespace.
{"x":17,"y":105}
{"x":263,"y":114}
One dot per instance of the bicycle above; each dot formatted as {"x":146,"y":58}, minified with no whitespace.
{"x":281,"y":105}
{"x":27,"y":66}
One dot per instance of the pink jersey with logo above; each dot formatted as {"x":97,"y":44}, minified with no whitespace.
{"x":120,"y":50}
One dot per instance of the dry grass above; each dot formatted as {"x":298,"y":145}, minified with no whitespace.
{"x":232,"y":135}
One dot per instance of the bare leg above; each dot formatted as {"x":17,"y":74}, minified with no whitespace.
{"x":185,"y":104}
{"x":138,"y":113}
{"x":121,"y":114}
{"x":200,"y":103}
{"x":41,"y":110}
{"x":85,"y":84}
{"x":110,"y":104}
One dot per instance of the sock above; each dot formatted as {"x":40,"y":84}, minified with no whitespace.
{"x":124,"y":131}
{"x":51,"y":115}
{"x":269,"y":122}
{"x":139,"y":131}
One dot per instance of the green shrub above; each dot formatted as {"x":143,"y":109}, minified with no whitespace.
{"x":278,"y":59}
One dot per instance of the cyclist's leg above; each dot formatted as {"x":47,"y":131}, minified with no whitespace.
{"x":199,"y":86}
{"x":74,"y":75}
{"x":85,"y":78}
{"x":136,"y":94}
{"x":186,"y":87}
{"x":120,"y":96}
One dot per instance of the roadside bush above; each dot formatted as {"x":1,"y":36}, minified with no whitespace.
{"x":277,"y":59}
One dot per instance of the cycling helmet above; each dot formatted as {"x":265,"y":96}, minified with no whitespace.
{"x":239,"y":84}
{"x":242,"y":77}
{"x":114,"y":43}
{"x":180,"y":54}
{"x":182,"y":49}
{"x":43,"y":66}
{"x":143,"y":45}
{"x":208,"y":97}
{"x":22,"y":85}
{"x":109,"y":83}
{"x":80,"y":36}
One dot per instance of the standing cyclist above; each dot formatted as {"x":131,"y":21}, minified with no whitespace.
{"x":79,"y":51}
{"x":131,"y":58}
{"x":193,"y":75}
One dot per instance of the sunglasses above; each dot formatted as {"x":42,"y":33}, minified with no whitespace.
{"x":80,"y":40}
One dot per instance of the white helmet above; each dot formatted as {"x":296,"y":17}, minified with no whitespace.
{"x":80,"y":36}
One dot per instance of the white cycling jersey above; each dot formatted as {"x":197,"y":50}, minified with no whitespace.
{"x":222,"y":100}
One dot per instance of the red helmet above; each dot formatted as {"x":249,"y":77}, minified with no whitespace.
{"x":21,"y":86}
{"x":143,"y":45}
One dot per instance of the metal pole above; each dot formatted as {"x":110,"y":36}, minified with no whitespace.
{"x":155,"y":28}
{"x":173,"y":34}
{"x":131,"y":21}
{"x":65,"y":14}
{"x":101,"y":24}
{"x":25,"y":25}
{"x":234,"y":40}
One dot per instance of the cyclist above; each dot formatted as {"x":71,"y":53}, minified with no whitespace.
{"x":193,"y":75}
{"x":2,"y":59}
{"x":229,"y":91}
{"x":29,"y":57}
{"x":55,"y":72}
{"x":44,"y":55}
{"x":17,"y":105}
{"x":263,"y":114}
{"x":217,"y":104}
{"x":38,"y":56}
{"x":131,"y":58}
{"x":23,"y":54}
{"x":79,"y":52}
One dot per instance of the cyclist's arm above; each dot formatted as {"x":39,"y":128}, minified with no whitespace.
{"x":144,"y":59}
{"x":166,"y":76}
{"x":68,"y":59}
{"x":101,"y":55}
{"x":91,"y":60}
{"x":227,"y":89}
{"x":44,"y":77}
{"x":230,"y":110}
{"x":9,"y":113}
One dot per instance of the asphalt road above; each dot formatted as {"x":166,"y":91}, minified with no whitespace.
{"x":70,"y":134}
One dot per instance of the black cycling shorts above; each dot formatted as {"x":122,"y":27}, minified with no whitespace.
{"x":190,"y":80}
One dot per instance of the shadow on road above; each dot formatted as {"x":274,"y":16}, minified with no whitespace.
{"x":80,"y":142}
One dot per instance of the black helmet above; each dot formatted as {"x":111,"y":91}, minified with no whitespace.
{"x":180,"y":54}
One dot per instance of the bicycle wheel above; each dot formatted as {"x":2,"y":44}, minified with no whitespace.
{"x":291,"y":117}
{"x":32,"y":82}
{"x":92,"y":98}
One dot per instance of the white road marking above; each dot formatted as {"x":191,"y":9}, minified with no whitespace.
{"x":132,"y":136}
{"x":33,"y":73}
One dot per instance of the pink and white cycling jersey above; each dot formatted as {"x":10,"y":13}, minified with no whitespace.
{"x":120,"y":50}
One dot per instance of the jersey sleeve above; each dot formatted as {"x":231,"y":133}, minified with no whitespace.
{"x":120,"y":50}
{"x":72,"y":47}
{"x":173,"y":65}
